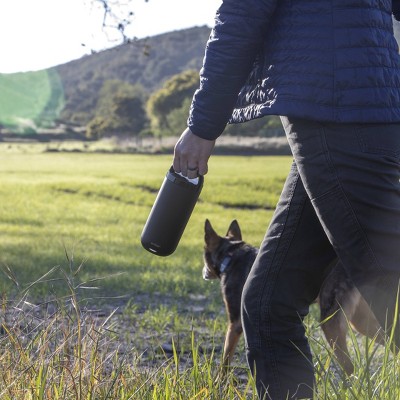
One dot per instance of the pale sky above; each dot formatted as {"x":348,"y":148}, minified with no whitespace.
{"x":37,"y":34}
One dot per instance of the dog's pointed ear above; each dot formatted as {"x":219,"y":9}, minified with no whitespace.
{"x":211,"y":237}
{"x":234,"y":231}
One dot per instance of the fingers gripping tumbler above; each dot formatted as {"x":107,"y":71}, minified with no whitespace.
{"x":170,"y":213}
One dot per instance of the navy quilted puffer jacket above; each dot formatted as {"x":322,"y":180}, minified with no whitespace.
{"x":326,"y":60}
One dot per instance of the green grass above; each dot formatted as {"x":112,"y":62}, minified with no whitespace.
{"x":65,"y":353}
{"x":71,"y":223}
{"x":70,"y":248}
{"x":94,"y":206}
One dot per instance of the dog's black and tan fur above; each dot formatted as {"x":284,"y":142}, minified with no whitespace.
{"x":230,"y":259}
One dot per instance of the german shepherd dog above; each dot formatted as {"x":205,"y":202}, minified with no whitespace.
{"x":230,"y":259}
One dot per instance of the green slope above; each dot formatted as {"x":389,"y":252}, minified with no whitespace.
{"x":30,"y":98}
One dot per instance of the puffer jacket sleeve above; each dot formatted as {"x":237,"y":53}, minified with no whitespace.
{"x":396,"y":9}
{"x":235,"y":40}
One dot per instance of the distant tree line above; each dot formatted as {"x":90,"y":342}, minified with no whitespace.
{"x":124,"y":109}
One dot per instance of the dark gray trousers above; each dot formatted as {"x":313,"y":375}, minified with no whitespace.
{"x":341,"y":201}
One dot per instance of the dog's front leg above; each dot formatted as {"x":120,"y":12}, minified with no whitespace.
{"x":232,"y":337}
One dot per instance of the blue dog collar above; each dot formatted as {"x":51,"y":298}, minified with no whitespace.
{"x":225,"y":263}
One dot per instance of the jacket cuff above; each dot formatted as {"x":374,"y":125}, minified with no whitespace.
{"x":204,"y":130}
{"x":209,"y":114}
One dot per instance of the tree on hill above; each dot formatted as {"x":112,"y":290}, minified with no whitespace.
{"x":171,"y":99}
{"x":177,"y":118}
{"x":120,"y":111}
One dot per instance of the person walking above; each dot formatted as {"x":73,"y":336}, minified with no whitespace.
{"x":331,"y":70}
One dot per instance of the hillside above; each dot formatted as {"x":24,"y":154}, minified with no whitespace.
{"x":69,"y":92}
{"x":73,"y":87}
{"x":148,"y":62}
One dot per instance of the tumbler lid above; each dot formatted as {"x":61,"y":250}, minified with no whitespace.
{"x":179,"y":179}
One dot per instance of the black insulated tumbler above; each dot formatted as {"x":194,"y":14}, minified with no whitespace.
{"x":170,"y":213}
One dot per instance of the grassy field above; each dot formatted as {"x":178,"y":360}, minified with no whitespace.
{"x":88,"y":314}
{"x":94,"y":207}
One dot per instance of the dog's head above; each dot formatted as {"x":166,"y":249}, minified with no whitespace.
{"x":218,"y":249}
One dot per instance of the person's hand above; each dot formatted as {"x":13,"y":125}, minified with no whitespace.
{"x":191,"y":154}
